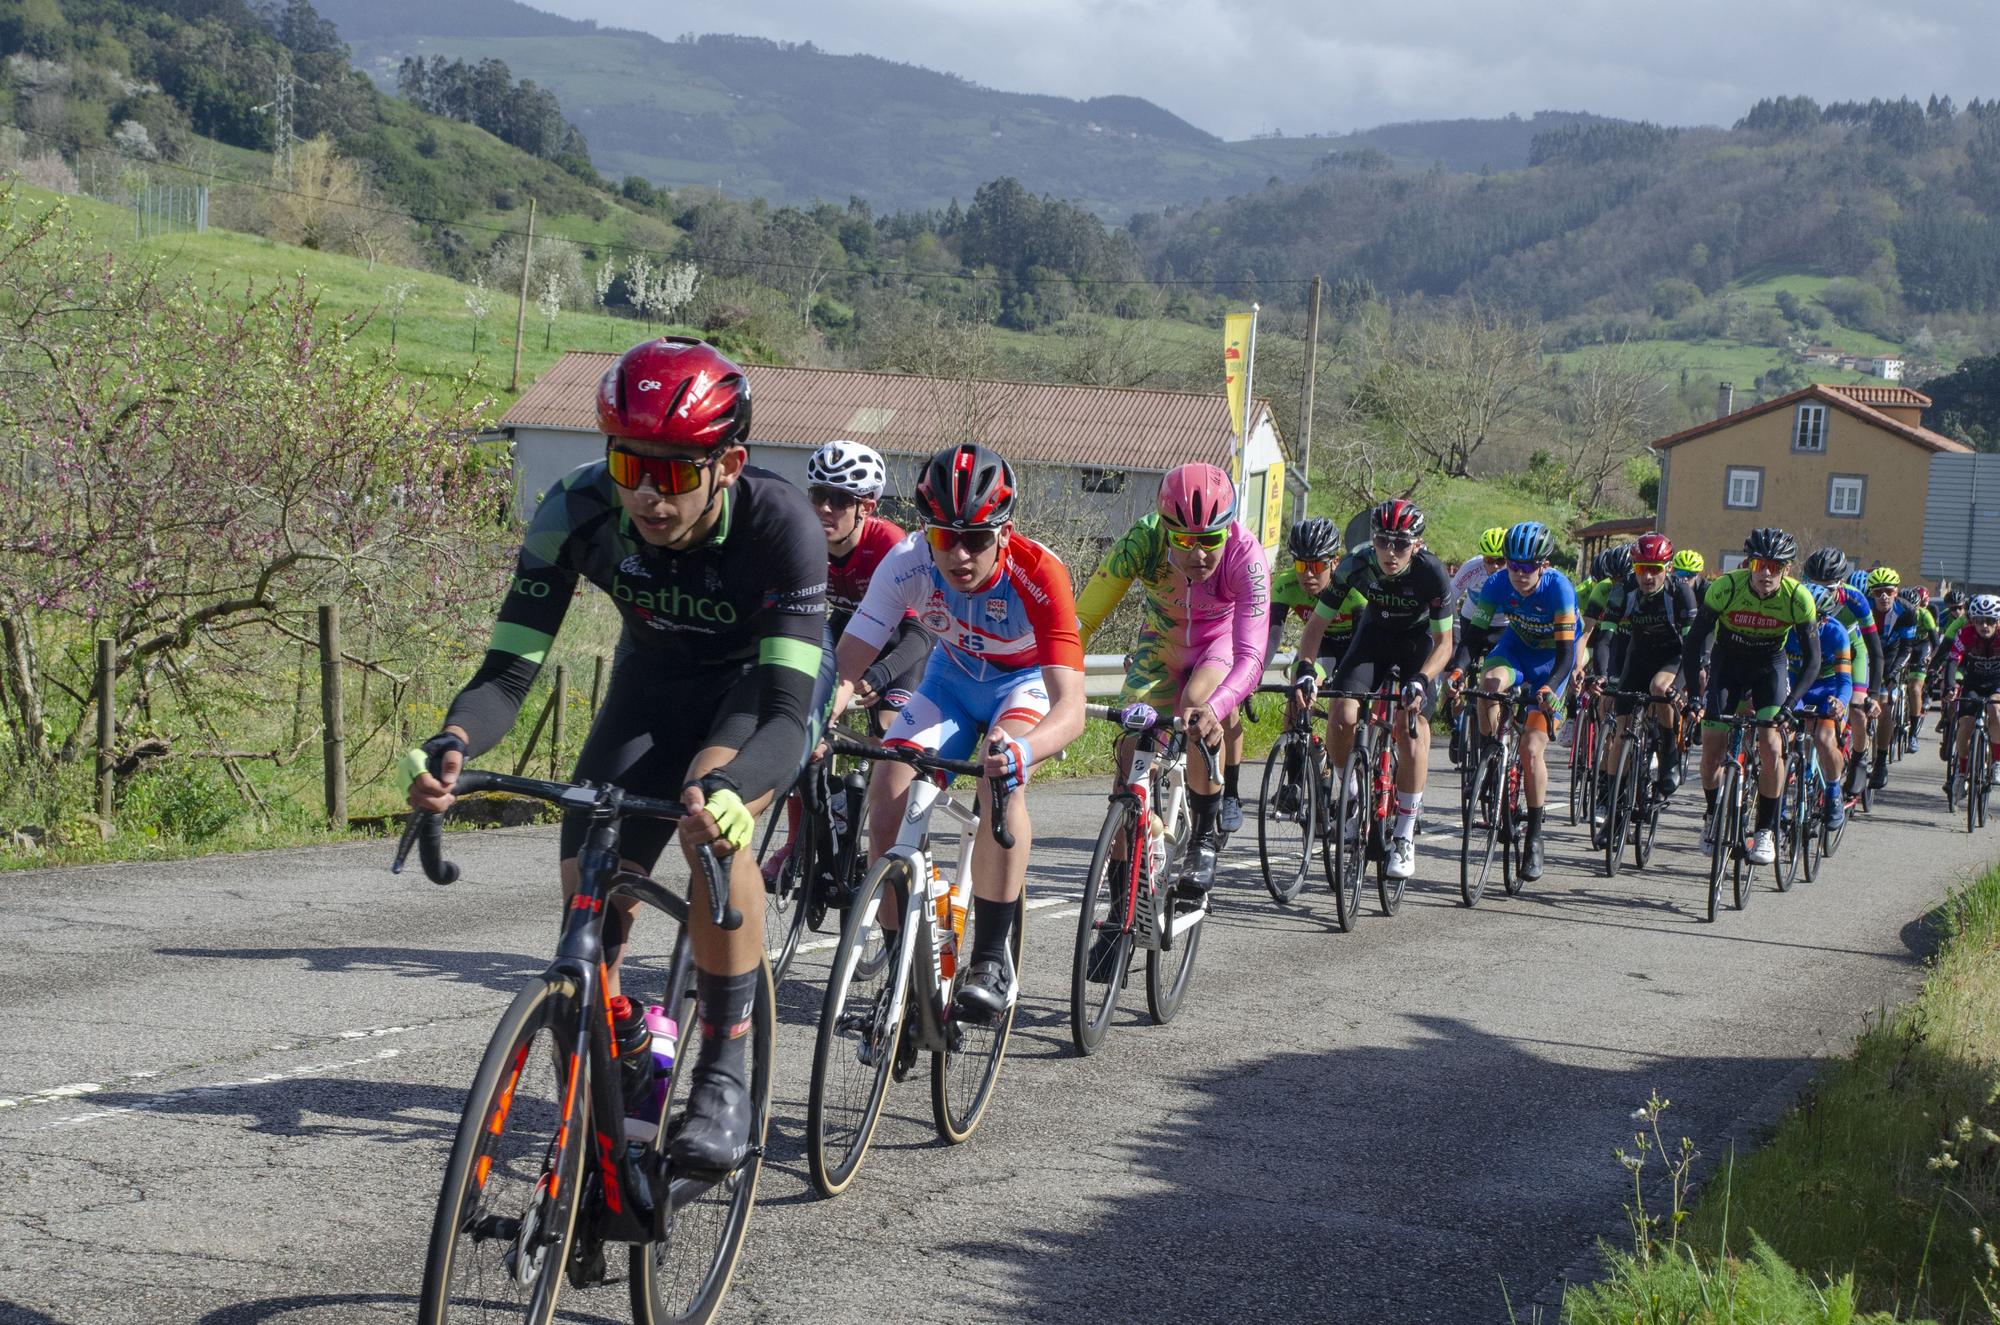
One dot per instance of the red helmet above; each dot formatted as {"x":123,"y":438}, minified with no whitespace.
{"x":1195,"y":499}
{"x":675,"y":390}
{"x":1397,"y":516}
{"x":1653,"y":547}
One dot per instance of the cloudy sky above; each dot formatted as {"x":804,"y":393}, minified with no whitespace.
{"x":1307,"y":65}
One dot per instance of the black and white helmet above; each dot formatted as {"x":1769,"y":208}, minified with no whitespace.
{"x":1984,"y":607}
{"x":848,"y":466}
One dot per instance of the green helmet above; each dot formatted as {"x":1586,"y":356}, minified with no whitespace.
{"x":1689,"y":561}
{"x":1884,"y":577}
{"x":1493,"y":543}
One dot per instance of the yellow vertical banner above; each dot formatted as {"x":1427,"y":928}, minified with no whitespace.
{"x":1235,"y":363}
{"x":1274,"y":502}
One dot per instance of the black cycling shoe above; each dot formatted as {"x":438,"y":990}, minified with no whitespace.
{"x":1455,"y":750}
{"x":712,"y":1135}
{"x":1229,"y":816}
{"x":984,"y":993}
{"x":1286,"y":801}
{"x":1104,"y":950}
{"x":1199,"y":879}
{"x":1880,"y":777}
{"x":1531,"y":857}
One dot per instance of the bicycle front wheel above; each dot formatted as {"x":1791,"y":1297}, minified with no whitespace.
{"x":1097,"y":975}
{"x":1481,"y":829}
{"x":1387,"y":890}
{"x":860,"y":1030}
{"x":508,"y":1207}
{"x":963,"y":1075}
{"x":1285,"y":835}
{"x":682,"y":1280}
{"x":1791,"y":823}
{"x":1353,"y":819}
{"x":1723,"y":845}
{"x":1618,"y":816}
{"x":1168,"y":970}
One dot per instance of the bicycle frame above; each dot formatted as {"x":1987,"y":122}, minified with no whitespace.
{"x":1154,"y":761}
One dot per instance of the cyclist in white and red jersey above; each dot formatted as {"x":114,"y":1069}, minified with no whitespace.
{"x":1007,"y":661}
{"x":844,"y":483}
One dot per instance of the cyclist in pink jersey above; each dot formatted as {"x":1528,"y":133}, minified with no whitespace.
{"x":1201,"y":644}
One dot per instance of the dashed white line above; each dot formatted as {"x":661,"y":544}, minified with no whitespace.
{"x":162,"y":1102}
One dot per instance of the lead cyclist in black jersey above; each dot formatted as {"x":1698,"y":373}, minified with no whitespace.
{"x":719,"y":571}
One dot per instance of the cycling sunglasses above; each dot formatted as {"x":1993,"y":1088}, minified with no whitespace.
{"x":1187,"y":542}
{"x":671,"y":475}
{"x":1494,"y":563}
{"x":1649,"y":567}
{"x":974,"y":541}
{"x":1769,"y":565}
{"x":1525,"y":567}
{"x":836,"y":499}
{"x":1311,"y":567}
{"x":1394,"y":542}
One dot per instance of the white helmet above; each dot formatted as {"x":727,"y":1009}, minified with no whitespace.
{"x":1984,"y":607}
{"x":848,"y":466}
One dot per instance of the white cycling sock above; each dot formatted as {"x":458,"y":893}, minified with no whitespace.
{"x":1407,"y":805}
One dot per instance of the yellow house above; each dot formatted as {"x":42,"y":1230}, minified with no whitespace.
{"x":1845,"y":466}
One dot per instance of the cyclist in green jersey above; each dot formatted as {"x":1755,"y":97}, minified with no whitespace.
{"x":1750,"y":612}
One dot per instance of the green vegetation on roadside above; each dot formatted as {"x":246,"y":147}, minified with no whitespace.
{"x":1879,"y":1192}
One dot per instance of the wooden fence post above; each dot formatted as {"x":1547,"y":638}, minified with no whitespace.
{"x":596,"y":682}
{"x":334,"y":742}
{"x":107,"y":725}
{"x":556,"y":700}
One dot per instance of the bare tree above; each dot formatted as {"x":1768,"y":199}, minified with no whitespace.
{"x":549,"y":303}
{"x":396,"y":292}
{"x":1450,"y":384}
{"x":1606,"y":409}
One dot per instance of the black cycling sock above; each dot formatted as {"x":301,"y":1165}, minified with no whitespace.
{"x":992,"y":929}
{"x":1663,"y":741}
{"x":727,"y":1003}
{"x":1710,"y":794}
{"x":1535,"y":813}
{"x":1205,"y":805}
{"x":1229,"y":779}
{"x":1767,"y":812}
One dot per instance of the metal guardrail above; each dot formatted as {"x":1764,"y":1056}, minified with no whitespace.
{"x":1104,"y":673}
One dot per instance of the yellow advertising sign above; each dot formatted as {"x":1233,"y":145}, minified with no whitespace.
{"x":1274,"y":502}
{"x":1235,"y":360}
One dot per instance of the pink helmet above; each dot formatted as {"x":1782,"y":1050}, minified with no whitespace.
{"x":1197,"y":498}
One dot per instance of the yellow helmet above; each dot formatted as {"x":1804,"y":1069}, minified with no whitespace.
{"x":1884,"y":577}
{"x":1493,"y":543}
{"x":1689,"y":561}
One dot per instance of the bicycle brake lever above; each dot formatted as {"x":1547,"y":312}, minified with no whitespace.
{"x":717,"y":879}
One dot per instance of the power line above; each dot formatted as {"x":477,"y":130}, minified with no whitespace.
{"x":708,"y":260}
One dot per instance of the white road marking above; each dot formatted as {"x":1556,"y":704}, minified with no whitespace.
{"x":163,"y":1102}
{"x":821,"y":945}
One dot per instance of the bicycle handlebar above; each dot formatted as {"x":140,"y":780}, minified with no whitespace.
{"x":928,"y":761}
{"x":425,"y":829}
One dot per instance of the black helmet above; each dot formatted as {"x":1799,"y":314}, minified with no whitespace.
{"x":1317,"y":539}
{"x":1826,"y":565}
{"x":1398,"y":515}
{"x":1618,"y":561}
{"x":1955,"y":600}
{"x":1770,"y":544}
{"x":966,"y":487}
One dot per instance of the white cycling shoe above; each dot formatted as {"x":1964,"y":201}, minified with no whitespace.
{"x":1402,"y":861}
{"x":1763,"y":847}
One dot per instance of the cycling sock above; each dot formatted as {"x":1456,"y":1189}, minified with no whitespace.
{"x":1206,"y":804}
{"x":1767,"y":812}
{"x":1407,"y":805}
{"x":1535,"y":813}
{"x":1711,"y":794}
{"x":726,"y":1005}
{"x":992,"y":929}
{"x":1229,"y":779}
{"x":1663,"y":742}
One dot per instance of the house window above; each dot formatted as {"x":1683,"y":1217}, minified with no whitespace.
{"x":1846,"y":494}
{"x":1103,"y":480}
{"x":1733,"y":561}
{"x":1809,"y":431}
{"x":1746,"y":488}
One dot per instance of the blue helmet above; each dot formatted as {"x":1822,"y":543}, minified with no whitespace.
{"x":1826,"y":597}
{"x":1530,"y":540}
{"x":1858,"y":581}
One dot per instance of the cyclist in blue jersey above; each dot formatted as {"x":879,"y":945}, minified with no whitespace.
{"x":1830,"y":566}
{"x":1896,"y":623}
{"x":1828,"y":697}
{"x":1536,"y":650}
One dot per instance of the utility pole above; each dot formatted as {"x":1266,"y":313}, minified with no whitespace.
{"x":521,"y":311}
{"x":1306,"y":399}
{"x":282,"y":114}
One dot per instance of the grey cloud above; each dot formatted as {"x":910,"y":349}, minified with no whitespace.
{"x":1246,"y":67}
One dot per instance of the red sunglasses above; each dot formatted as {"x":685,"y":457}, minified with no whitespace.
{"x":974,"y":541}
{"x":671,"y":475}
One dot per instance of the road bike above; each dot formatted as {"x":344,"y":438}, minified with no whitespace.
{"x":1364,"y":796}
{"x":1970,"y":772}
{"x":1735,"y":806}
{"x":1585,"y":753}
{"x":890,"y":993}
{"x":547,"y":1168}
{"x":1129,"y":904}
{"x":1633,"y":812}
{"x":814,"y":868}
{"x":1802,"y":829}
{"x":1294,"y":815}
{"x":1495,"y":819}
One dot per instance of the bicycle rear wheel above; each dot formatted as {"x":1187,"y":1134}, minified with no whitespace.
{"x":1582,"y":766}
{"x":1743,"y":874}
{"x":1168,"y":970}
{"x":1791,"y":823}
{"x":1481,"y":830}
{"x":683,"y":1279}
{"x":1976,"y":758}
{"x":1351,"y":807}
{"x":963,"y":1075}
{"x":859,"y":1035}
{"x":1514,"y":823}
{"x":1285,"y":839}
{"x":1722,"y":846}
{"x":507,"y":1210}
{"x":786,"y":890}
{"x":1618,"y":814}
{"x":1091,"y":1003}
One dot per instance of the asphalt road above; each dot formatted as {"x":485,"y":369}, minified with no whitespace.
{"x":230,"y":1084}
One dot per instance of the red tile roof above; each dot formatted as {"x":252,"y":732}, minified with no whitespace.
{"x":1885,"y":395}
{"x":1840,"y":398}
{"x":1100,"y":427}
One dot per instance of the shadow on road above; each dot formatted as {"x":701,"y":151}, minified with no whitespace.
{"x":1396,"y":1183}
{"x":500,"y":971}
{"x":308,"y":1308}
{"x":13,"y":1313}
{"x":324,"y":1107}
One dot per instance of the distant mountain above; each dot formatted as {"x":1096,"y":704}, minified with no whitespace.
{"x":792,"y":123}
